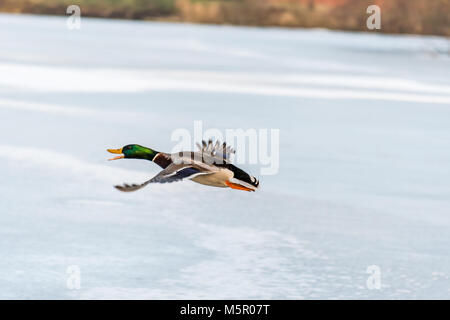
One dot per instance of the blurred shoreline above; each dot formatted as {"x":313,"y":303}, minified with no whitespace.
{"x":397,"y":16}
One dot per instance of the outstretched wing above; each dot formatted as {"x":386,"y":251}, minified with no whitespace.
{"x":172,"y":173}
{"x":216,"y":150}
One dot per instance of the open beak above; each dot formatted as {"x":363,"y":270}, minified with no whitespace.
{"x":116,"y":151}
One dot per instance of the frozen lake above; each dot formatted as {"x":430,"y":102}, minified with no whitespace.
{"x":364,"y":175}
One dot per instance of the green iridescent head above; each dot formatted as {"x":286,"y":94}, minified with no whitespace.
{"x":134,"y":151}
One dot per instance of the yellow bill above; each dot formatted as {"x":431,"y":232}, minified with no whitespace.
{"x":116,"y":151}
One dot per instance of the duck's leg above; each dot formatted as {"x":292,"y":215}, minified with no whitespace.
{"x":237,"y":186}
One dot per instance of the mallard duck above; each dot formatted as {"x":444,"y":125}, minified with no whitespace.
{"x":208,"y":166}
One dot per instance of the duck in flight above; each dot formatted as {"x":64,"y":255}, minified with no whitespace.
{"x":209,"y":166}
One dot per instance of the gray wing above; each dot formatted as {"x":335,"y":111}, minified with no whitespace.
{"x":172,"y":173}
{"x":217,"y":150}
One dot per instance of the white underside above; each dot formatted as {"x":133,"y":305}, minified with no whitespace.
{"x":215,"y":179}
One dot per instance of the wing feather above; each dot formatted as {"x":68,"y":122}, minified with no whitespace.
{"x":216,"y":150}
{"x":171,"y":174}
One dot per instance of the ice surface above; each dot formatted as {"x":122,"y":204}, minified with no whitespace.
{"x":364,"y":162}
